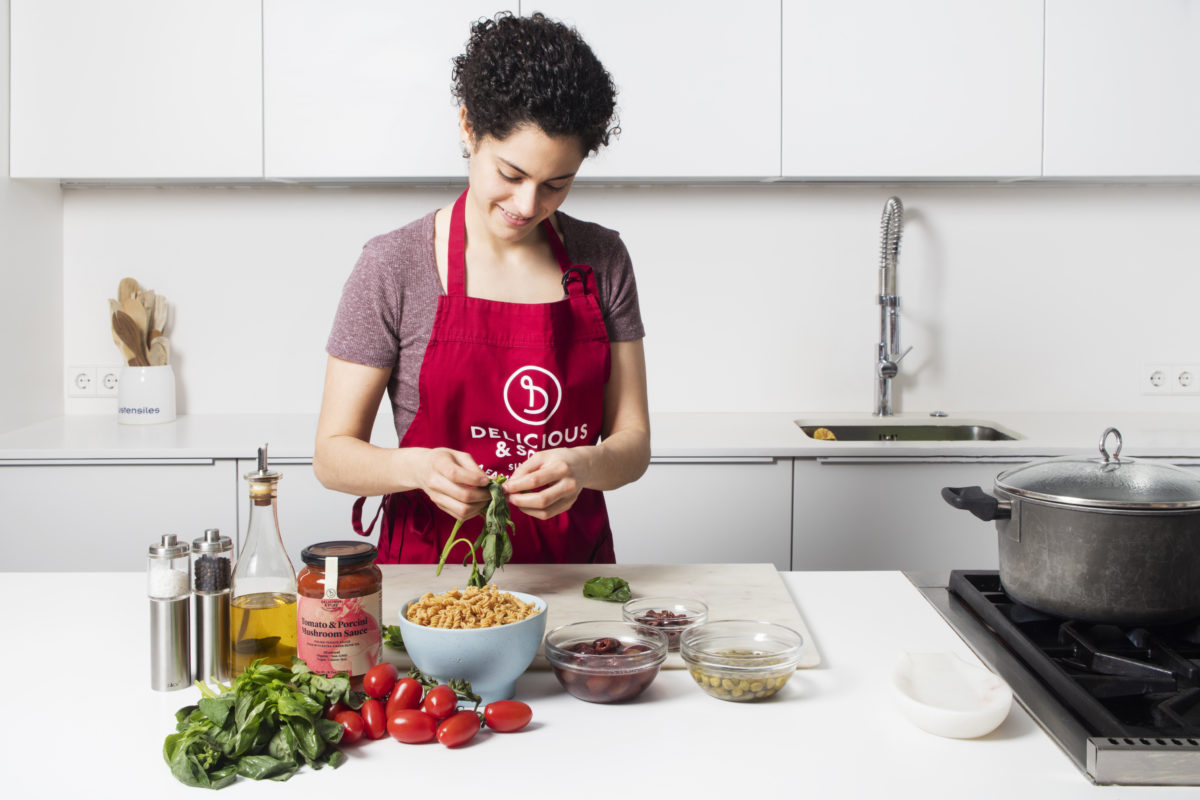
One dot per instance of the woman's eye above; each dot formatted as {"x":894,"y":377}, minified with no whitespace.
{"x":510,"y":178}
{"x":554,"y":188}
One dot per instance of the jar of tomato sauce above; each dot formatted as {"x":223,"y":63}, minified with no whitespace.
{"x":338,"y":618}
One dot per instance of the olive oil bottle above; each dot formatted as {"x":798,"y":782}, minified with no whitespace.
{"x":262,"y":611}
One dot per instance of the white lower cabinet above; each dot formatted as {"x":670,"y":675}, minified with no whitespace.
{"x":700,"y":510}
{"x":103,"y":516}
{"x":886,"y":514}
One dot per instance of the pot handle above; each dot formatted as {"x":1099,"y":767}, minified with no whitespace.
{"x":978,"y":502}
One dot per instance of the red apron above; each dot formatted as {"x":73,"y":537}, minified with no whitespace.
{"x":502,"y":381}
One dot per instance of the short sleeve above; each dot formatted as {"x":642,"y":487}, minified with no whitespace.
{"x":366,"y":327}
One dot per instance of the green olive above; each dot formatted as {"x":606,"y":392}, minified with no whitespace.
{"x":738,"y":685}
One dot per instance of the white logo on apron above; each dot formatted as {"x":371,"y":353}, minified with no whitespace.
{"x":532,"y":395}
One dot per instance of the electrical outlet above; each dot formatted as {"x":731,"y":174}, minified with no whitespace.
{"x":107,"y":379}
{"x":1186,"y":379}
{"x":81,"y":381}
{"x":1158,"y":379}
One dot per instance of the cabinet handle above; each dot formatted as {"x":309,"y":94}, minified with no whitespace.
{"x":712,"y":460}
{"x":107,"y":462}
{"x":835,"y":460}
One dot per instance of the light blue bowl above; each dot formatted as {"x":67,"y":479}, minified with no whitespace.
{"x":490,"y":658}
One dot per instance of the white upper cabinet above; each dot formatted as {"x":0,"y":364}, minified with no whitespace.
{"x":1122,"y":88}
{"x":697,"y":85}
{"x":921,"y":88}
{"x":362,"y":88}
{"x":140,"y":89}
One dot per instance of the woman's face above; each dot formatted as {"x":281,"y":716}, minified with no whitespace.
{"x":518,"y":181}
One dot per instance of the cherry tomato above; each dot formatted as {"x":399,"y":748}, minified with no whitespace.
{"x":411,"y":726}
{"x":380,"y":679}
{"x":335,"y":709}
{"x":506,"y":716}
{"x":458,"y":728}
{"x":440,"y":702}
{"x":405,"y":694}
{"x":352,"y":726}
{"x":374,"y":718}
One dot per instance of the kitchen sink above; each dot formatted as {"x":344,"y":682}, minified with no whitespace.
{"x":880,"y":431}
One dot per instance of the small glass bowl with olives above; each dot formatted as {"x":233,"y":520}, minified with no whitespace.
{"x":741,"y":660}
{"x":669,"y":615}
{"x":605,"y":661}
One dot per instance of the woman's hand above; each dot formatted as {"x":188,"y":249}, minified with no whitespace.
{"x":454,"y":482}
{"x":549,"y":481}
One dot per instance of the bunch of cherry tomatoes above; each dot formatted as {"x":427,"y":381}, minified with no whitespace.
{"x":403,"y":708}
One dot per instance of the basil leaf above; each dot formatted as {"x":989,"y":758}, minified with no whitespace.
{"x":614,"y":590}
{"x":392,"y":637}
{"x":217,"y":708}
{"x":266,"y":767}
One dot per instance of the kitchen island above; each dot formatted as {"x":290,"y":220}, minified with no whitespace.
{"x":87,"y":724}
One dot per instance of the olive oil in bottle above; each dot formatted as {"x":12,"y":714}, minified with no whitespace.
{"x":263,"y":609}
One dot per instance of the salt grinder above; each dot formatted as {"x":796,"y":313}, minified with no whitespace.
{"x":168,"y":585}
{"x":212,"y":573}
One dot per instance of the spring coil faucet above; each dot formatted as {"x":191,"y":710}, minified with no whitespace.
{"x":889,"y":355}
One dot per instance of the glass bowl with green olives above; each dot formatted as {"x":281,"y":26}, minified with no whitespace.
{"x":741,"y":660}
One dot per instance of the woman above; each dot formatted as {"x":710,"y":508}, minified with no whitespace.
{"x":507,"y":334}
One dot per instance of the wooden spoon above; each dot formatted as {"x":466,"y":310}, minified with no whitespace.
{"x":160,"y":314}
{"x":127,"y":288}
{"x":131,"y":335}
{"x":137,"y":315}
{"x":126,"y":355}
{"x":160,"y":352}
{"x":146,"y":298}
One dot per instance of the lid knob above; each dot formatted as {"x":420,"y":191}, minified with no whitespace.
{"x":1116,"y":454}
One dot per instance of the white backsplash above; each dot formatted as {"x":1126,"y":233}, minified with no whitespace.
{"x":1018,"y":297}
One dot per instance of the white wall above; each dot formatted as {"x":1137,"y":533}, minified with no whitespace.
{"x":1015,"y":297}
{"x":31,"y":278}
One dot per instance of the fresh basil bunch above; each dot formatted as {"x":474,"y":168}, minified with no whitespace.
{"x":265,"y":725}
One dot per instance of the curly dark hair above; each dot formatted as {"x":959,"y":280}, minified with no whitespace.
{"x":520,"y":70}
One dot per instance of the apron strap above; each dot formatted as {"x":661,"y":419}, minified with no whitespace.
{"x":356,"y":516}
{"x":456,"y":261}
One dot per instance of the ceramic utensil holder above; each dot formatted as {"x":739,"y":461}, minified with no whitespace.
{"x":146,"y":395}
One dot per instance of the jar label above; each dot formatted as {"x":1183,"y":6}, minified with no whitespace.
{"x":340,"y":635}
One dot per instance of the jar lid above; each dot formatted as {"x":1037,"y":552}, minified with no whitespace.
{"x":1106,"y":482}
{"x":212,"y":542}
{"x":169,"y":547}
{"x":348,"y":554}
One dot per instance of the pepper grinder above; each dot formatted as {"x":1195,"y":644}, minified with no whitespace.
{"x":212,"y":572}
{"x":168,"y":585}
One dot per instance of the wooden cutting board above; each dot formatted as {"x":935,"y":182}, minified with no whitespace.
{"x":732,"y":591}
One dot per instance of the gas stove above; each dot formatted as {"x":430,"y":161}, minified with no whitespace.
{"x":1123,"y":703}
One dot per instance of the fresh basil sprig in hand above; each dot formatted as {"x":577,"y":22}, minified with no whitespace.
{"x":614,"y":590}
{"x":492,"y":542}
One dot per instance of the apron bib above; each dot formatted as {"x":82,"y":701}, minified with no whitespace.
{"x":502,"y":381}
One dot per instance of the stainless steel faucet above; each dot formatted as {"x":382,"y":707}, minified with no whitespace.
{"x":889,"y":356}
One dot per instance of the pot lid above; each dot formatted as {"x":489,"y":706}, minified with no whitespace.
{"x":1107,"y":481}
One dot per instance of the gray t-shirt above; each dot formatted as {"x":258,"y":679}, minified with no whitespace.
{"x":389,"y":301}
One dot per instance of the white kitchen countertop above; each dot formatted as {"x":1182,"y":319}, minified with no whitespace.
{"x":678,"y":435}
{"x":83,"y":721}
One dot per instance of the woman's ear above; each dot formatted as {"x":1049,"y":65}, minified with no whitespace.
{"x":464,"y":132}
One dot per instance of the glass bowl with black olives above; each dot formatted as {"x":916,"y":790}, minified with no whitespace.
{"x":741,"y":660}
{"x":605,"y":661}
{"x":669,"y":615}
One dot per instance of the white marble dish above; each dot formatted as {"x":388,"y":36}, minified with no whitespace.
{"x":947,"y":696}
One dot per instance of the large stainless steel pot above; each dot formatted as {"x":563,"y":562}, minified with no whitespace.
{"x":1096,"y":539}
